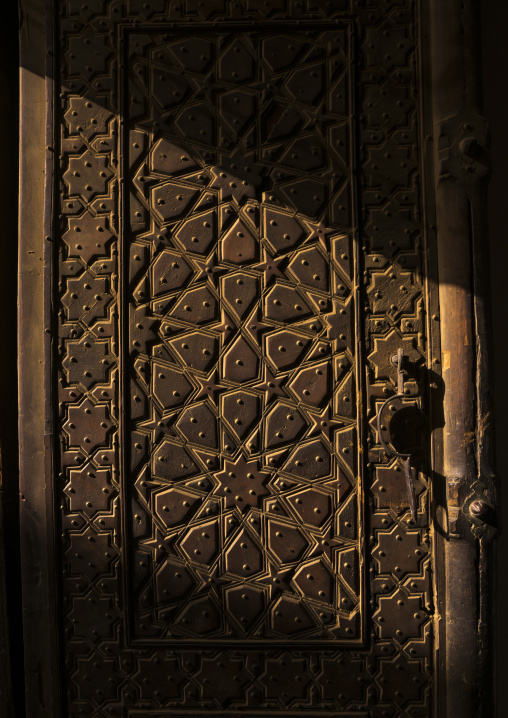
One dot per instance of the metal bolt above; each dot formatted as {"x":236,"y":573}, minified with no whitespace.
{"x":479,"y":509}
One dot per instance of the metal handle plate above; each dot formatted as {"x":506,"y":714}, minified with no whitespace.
{"x":398,"y":360}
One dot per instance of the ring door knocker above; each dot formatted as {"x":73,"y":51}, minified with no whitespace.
{"x":398,"y":360}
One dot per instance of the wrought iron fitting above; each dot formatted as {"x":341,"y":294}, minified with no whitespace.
{"x":464,"y":148}
{"x":479,"y":509}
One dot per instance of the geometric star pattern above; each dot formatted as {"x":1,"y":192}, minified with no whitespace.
{"x":239,"y":134}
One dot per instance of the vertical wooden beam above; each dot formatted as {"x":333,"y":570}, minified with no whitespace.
{"x":36,"y":477}
{"x":6,"y":706}
{"x":461,"y":173}
{"x":11,"y":658}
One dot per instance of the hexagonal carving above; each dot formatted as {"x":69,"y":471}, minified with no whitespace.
{"x":201,"y":616}
{"x":171,"y":200}
{"x":281,"y":229}
{"x":286,"y":348}
{"x":169,"y":86}
{"x":289,"y":617}
{"x":236,"y":108}
{"x":286,"y":542}
{"x":305,"y":154}
{"x":201,"y":543}
{"x":240,"y":362}
{"x":311,"y":460}
{"x":236,"y":64}
{"x":173,"y":581}
{"x":242,"y":411}
{"x":192,"y":53}
{"x":244,"y":557}
{"x":307,"y":83}
{"x":284,"y":424}
{"x":170,"y":386}
{"x":308,"y":196}
{"x":311,"y":268}
{"x":171,"y":461}
{"x":196,"y":350}
{"x":285,"y":304}
{"x":199,"y":232}
{"x":168,"y":158}
{"x":315,"y":580}
{"x":196,"y":306}
{"x":175,"y":506}
{"x":197,"y":123}
{"x":198,"y":425}
{"x":247,"y":605}
{"x":281,"y":52}
{"x":313,"y":384}
{"x":239,"y":245}
{"x":168,"y":272}
{"x":312,"y":506}
{"x":242,"y":292}
{"x":280,"y":121}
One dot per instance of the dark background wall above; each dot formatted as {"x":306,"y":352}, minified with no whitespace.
{"x":495,"y":73}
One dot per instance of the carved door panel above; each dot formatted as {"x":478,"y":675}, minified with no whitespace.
{"x":242,"y":341}
{"x":241,"y":245}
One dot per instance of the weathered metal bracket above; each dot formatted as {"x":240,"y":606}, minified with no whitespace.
{"x":464,"y":147}
{"x":479,"y":509}
{"x":398,"y":361}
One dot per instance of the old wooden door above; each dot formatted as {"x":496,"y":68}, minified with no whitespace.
{"x":235,"y":249}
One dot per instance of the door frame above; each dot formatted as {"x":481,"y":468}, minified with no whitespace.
{"x":462,"y":171}
{"x":39,"y":575}
{"x":460,"y":140}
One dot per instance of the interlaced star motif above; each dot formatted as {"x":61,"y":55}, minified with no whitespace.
{"x":323,"y":423}
{"x":278,"y":580}
{"x":209,"y":386}
{"x":242,"y":483}
{"x":210,"y":578}
{"x":271,"y":385}
{"x":255,"y":326}
{"x":159,"y":544}
{"x":225,"y":326}
{"x":325,"y":544}
{"x":208,"y":268}
{"x":158,"y":425}
{"x":271,"y":267}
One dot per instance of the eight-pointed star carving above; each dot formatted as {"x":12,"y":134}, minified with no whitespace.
{"x":242,"y":483}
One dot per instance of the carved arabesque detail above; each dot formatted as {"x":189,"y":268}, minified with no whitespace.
{"x":108,"y":674}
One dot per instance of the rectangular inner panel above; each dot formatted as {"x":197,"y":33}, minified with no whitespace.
{"x":242,"y":343}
